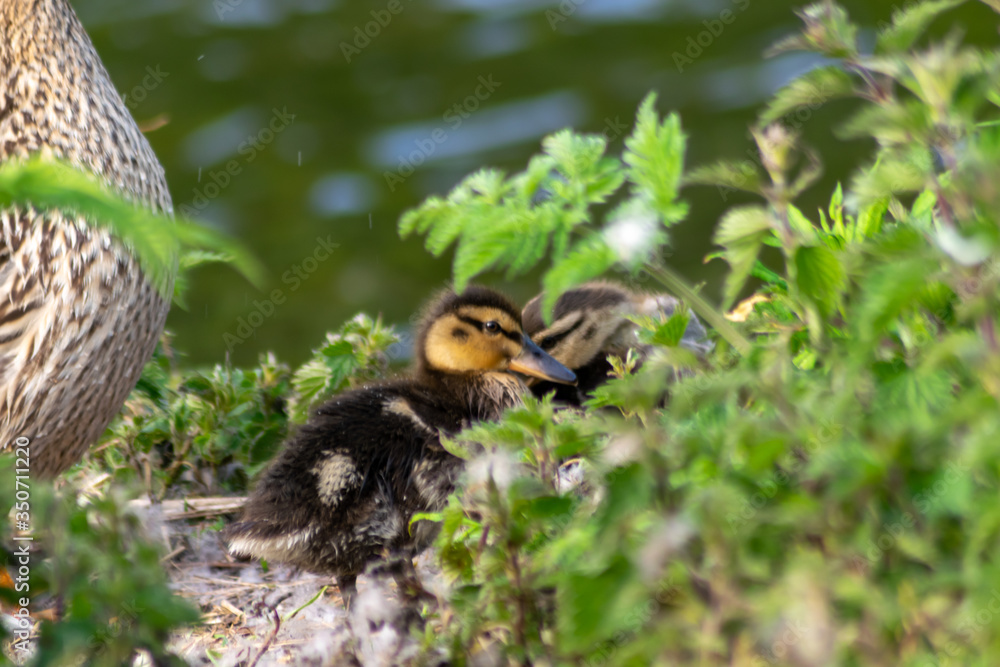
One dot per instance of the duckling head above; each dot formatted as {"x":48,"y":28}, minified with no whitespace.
{"x":587,"y":322}
{"x":479,"y":331}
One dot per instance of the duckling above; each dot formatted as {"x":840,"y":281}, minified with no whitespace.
{"x":344,"y":488}
{"x":589,"y":323}
{"x":78,"y":319}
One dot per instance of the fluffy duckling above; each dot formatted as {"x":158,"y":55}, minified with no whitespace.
{"x":589,"y":323}
{"x":343,"y":490}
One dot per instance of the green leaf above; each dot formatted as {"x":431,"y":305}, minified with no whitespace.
{"x":665,"y":332}
{"x":339,"y":357}
{"x":575,"y":155}
{"x":890,"y":123}
{"x":819,"y":275}
{"x":741,"y":232}
{"x":434,"y":517}
{"x":909,"y":23}
{"x":888,"y":291}
{"x":891,"y":176}
{"x":155,"y":240}
{"x":478,"y":252}
{"x":548,"y":507}
{"x":828,"y":30}
{"x":655,"y":158}
{"x":588,"y":259}
{"x":812,"y":89}
{"x":587,"y":602}
{"x":765,"y":274}
{"x":726,"y":174}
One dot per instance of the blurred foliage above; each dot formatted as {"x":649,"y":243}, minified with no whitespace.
{"x":91,"y":559}
{"x":156,"y":240}
{"x":211,"y":431}
{"x":358,"y":352}
{"x":827,"y":494}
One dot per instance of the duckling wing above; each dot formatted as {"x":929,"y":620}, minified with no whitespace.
{"x":344,"y":487}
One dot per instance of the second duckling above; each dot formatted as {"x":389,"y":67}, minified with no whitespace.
{"x":589,"y":323}
{"x":343,"y":490}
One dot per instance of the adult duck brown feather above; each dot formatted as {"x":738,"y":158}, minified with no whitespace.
{"x":78,"y":319}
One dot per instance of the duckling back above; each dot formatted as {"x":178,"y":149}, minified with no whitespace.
{"x":343,"y":490}
{"x":77,"y":319}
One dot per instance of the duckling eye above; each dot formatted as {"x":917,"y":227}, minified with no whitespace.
{"x":491,"y":327}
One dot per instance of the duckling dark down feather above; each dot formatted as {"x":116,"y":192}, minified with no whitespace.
{"x":343,"y":490}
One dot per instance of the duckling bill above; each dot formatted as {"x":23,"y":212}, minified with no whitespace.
{"x":343,"y":490}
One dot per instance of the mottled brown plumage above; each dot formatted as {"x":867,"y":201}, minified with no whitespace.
{"x":342,"y":492}
{"x":589,"y":324}
{"x":77,"y":318}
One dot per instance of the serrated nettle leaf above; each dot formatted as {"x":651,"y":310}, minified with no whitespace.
{"x":787,"y":44}
{"x":741,"y":256}
{"x":890,"y":176}
{"x":527,"y":249}
{"x":155,"y":240}
{"x":737,"y":175}
{"x":588,"y":259}
{"x":418,"y":219}
{"x":606,"y":180}
{"x":489,"y":184}
{"x":530,"y":182}
{"x":655,"y":155}
{"x":803,"y":226}
{"x":488,"y":245}
{"x":829,"y":30}
{"x":813,"y":89}
{"x":669,"y":332}
{"x":805,"y":359}
{"x":443,"y":227}
{"x":575,"y":155}
{"x":924,"y":206}
{"x":934,"y":75}
{"x":765,"y":274}
{"x":819,"y":275}
{"x":909,"y":23}
{"x":890,"y":123}
{"x":837,"y":210}
{"x":888,"y":291}
{"x":742,"y":222}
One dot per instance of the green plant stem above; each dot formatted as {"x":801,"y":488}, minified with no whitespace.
{"x":713,"y":317}
{"x":306,"y":604}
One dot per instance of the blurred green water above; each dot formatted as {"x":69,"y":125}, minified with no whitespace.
{"x":306,"y":128}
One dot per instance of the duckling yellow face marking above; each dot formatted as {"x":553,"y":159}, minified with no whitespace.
{"x":473,"y":339}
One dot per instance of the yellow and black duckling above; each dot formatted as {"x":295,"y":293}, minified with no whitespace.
{"x":78,"y":319}
{"x":589,"y":323}
{"x":343,"y":490}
